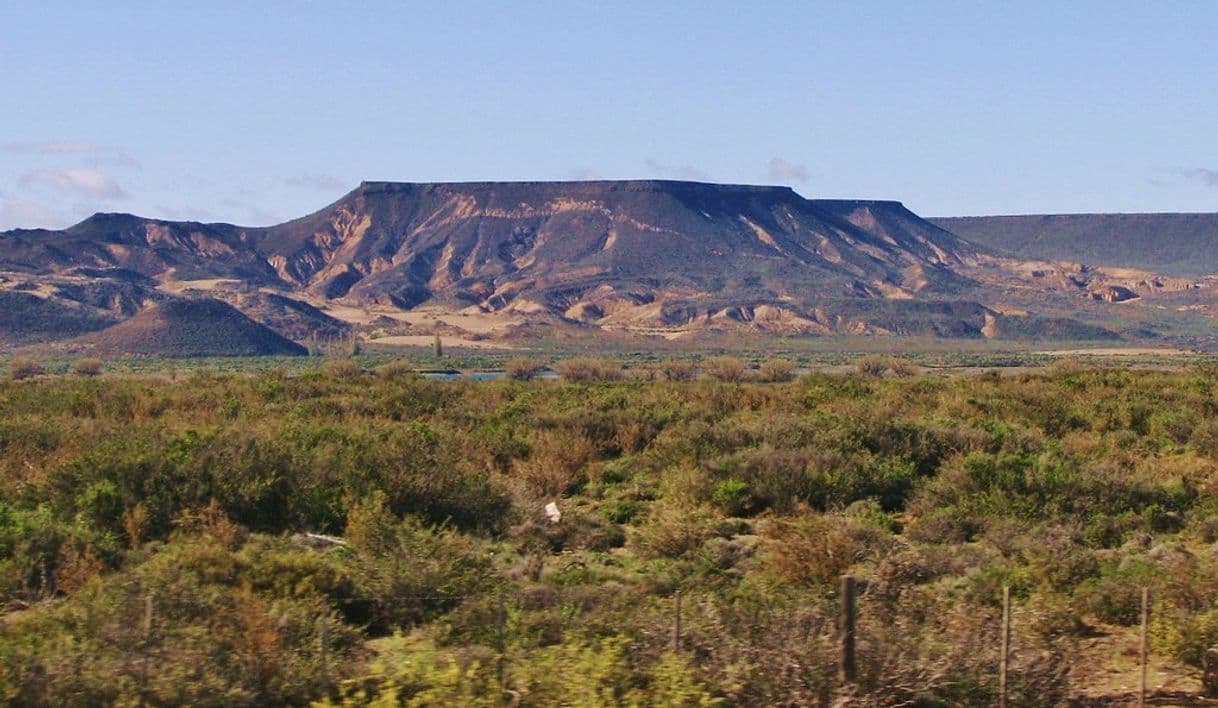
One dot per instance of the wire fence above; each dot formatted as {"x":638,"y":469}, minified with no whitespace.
{"x":838,"y":645}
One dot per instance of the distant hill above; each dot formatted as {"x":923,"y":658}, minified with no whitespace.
{"x":187,"y":328}
{"x":1173,"y":244}
{"x":26,"y":318}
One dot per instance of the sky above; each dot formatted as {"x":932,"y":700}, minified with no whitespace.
{"x":259,"y":112}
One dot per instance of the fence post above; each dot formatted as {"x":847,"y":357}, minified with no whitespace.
{"x":1209,"y":678}
{"x":847,"y":629}
{"x":147,"y":648}
{"x":1004,"y":661}
{"x":323,"y":641}
{"x":676,"y":625}
{"x":500,"y":640}
{"x":1142,"y":646}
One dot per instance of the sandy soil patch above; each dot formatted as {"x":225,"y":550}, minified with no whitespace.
{"x":427,"y":340}
{"x":475,"y":323}
{"x":1116,"y":351}
{"x":177,"y":287}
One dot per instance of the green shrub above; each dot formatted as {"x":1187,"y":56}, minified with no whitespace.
{"x":1115,"y":596}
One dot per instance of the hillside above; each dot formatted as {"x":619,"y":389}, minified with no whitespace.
{"x":26,"y":318}
{"x":1172,"y":244}
{"x":512,"y":260}
{"x":549,"y":244}
{"x":187,"y":328}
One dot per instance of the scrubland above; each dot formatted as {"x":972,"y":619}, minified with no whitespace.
{"x":154,"y":547}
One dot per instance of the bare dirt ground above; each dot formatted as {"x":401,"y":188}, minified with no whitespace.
{"x":1116,"y":351}
{"x":427,"y":340}
{"x":474,"y":323}
{"x":1106,"y":673}
{"x":177,"y":287}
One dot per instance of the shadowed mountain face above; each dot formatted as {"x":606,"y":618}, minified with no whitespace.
{"x":651,"y":257}
{"x":1172,"y":244}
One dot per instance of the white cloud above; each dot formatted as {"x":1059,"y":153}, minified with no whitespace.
{"x":584,"y":173}
{"x":89,"y":184}
{"x":325,"y":183}
{"x":687,"y":172}
{"x":784,"y":171}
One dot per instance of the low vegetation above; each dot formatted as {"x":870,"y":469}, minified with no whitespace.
{"x":24,"y":368}
{"x":521,"y":369}
{"x":87,"y":366}
{"x":726,"y":368}
{"x":347,"y":537}
{"x":586,"y":370}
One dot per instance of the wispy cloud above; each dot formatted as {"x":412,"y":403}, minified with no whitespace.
{"x":97,"y":155}
{"x":52,"y":147}
{"x":254,"y":214}
{"x":1205,"y":176}
{"x":324,"y":183}
{"x":584,"y":173}
{"x":114,"y":159}
{"x":26,"y":214}
{"x":88,"y":184}
{"x":785,"y":171}
{"x":187,"y":213}
{"x":689,"y":172}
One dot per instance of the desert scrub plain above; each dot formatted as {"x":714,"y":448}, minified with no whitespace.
{"x":153,"y":547}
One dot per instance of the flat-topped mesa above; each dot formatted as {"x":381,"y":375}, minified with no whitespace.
{"x":579,"y":187}
{"x":645,"y":255}
{"x":856,"y":203}
{"x":698,"y":194}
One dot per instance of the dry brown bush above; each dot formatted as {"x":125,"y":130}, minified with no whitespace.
{"x":78,"y":564}
{"x":522,"y":369}
{"x":678,"y":370}
{"x":725,"y":368}
{"x":87,"y":367}
{"x":675,"y":529}
{"x":558,"y":462}
{"x":583,"y":369}
{"x":341,"y":369}
{"x":814,"y":548}
{"x":24,"y":368}
{"x":394,"y":369}
{"x":872,"y":365}
{"x":777,"y":371}
{"x":902,"y":367}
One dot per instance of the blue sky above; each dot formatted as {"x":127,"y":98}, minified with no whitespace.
{"x":259,"y":112}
